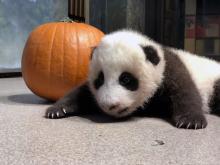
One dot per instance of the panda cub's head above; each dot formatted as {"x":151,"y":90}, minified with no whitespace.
{"x":125,"y":71}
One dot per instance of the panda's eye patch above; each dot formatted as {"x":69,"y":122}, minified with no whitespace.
{"x":128,"y":81}
{"x":99,"y":81}
{"x":151,"y":54}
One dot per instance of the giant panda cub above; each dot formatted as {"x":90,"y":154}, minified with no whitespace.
{"x":129,"y":72}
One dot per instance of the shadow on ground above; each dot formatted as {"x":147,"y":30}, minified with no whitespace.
{"x":94,"y":116}
{"x":29,"y":99}
{"x":100,"y":117}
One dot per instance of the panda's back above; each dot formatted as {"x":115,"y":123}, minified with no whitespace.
{"x":204,"y":72}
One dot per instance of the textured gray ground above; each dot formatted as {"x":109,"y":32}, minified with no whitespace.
{"x":26,"y":137}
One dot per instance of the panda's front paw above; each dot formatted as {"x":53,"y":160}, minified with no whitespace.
{"x":55,"y":112}
{"x":190,"y":121}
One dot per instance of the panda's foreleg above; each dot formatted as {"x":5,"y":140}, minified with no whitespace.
{"x":77,"y":101}
{"x":186,"y":101}
{"x":187,"y":108}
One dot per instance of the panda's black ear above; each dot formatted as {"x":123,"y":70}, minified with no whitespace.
{"x":151,"y":54}
{"x":93,"y":49}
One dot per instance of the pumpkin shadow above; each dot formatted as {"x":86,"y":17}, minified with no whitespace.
{"x":28,"y":99}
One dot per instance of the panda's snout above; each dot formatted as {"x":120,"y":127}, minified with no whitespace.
{"x":122,"y":111}
{"x":116,"y":109}
{"x":114,"y":106}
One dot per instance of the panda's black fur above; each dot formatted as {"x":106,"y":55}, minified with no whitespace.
{"x":177,"y":95}
{"x":170,"y":94}
{"x":215,"y":100}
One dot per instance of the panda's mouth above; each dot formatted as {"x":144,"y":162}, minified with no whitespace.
{"x":122,"y":111}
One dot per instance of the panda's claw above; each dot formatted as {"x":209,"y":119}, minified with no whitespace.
{"x":188,"y":125}
{"x":64,"y":110}
{"x":58,"y":114}
{"x":180,"y":125}
{"x":190,"y":121}
{"x":177,"y":124}
{"x":48,"y":115}
{"x":55,"y":112}
{"x":196,"y":126}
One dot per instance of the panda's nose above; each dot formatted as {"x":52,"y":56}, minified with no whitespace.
{"x":114,"y":106}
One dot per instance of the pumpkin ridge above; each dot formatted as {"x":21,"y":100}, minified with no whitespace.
{"x":89,"y":39}
{"x":51,"y":52}
{"x":37,"y":48}
{"x":64,"y":55}
{"x":29,"y":79}
{"x":78,"y":54}
{"x":34,"y":60}
{"x":36,"y":63}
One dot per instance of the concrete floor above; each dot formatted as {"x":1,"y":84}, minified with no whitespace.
{"x":29,"y":138}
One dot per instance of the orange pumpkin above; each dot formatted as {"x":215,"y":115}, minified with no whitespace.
{"x":56,"y":57}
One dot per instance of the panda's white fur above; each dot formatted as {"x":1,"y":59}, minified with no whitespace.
{"x":120,"y":51}
{"x":113,"y":57}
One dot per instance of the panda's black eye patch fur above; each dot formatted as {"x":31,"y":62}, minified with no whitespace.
{"x":151,"y":54}
{"x":99,"y":81}
{"x":128,"y":81}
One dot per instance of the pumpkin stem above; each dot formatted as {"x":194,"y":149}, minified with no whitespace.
{"x":68,"y":20}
